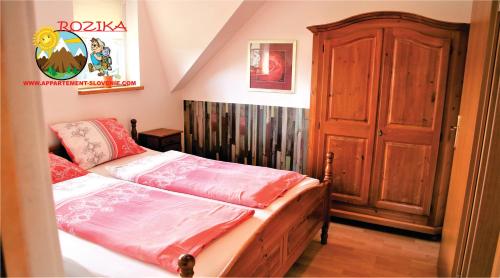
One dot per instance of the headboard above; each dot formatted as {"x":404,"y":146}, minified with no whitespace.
{"x":61,"y":151}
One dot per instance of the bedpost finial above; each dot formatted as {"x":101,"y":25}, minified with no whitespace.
{"x":328,"y":166}
{"x":133,"y":130}
{"x":329,"y":156}
{"x":186,"y":264}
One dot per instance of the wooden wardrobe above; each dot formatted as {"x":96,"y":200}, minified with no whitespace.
{"x":386,"y":90}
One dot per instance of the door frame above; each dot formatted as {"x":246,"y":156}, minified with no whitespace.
{"x":29,"y":235}
{"x":469,"y":141}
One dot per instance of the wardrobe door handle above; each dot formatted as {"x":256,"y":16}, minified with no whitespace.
{"x":379,"y":132}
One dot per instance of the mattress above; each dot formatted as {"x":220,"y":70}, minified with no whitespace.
{"x":99,"y":261}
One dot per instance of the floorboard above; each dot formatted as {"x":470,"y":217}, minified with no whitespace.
{"x":360,"y":251}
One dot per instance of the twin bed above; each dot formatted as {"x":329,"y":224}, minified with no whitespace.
{"x":266,"y":243}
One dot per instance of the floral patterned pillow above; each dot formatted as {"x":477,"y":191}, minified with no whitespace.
{"x":62,"y":169}
{"x":93,"y":142}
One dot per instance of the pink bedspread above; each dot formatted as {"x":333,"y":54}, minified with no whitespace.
{"x":150,"y":225}
{"x":245,"y":185}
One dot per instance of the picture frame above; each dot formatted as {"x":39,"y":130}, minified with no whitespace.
{"x":271,"y":66}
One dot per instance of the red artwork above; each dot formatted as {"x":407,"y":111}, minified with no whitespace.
{"x":271,"y":66}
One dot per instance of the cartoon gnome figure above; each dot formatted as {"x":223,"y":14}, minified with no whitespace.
{"x":100,"y":57}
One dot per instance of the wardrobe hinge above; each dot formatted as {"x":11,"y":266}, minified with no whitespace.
{"x":318,"y":125}
{"x":323,"y":48}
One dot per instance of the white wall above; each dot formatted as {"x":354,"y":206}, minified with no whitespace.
{"x":183,"y":29}
{"x":153,"y":107}
{"x":223,"y":79}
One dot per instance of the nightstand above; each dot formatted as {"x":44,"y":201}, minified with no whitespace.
{"x":161,"y":139}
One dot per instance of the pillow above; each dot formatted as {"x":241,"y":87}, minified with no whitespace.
{"x":62,"y":169}
{"x":93,"y":142}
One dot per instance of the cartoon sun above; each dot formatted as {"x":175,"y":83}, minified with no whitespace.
{"x":46,"y":38}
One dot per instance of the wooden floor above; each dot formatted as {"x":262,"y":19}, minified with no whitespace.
{"x":362,"y":252}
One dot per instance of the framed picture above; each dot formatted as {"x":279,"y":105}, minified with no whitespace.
{"x":271,"y":66}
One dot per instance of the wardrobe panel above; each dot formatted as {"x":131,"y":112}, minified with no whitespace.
{"x":415,"y":87}
{"x":350,"y":93}
{"x":351,"y":77}
{"x":348,"y":183}
{"x":405,"y":178}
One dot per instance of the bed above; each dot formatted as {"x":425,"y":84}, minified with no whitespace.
{"x":265,"y":245}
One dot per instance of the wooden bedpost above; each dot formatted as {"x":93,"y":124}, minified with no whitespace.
{"x":327,"y":180}
{"x":133,"y":131}
{"x":186,"y":264}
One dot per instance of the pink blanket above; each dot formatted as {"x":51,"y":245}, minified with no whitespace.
{"x":245,"y":185}
{"x":150,"y":225}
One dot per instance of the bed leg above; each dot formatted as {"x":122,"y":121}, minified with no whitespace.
{"x":327,"y":180}
{"x":186,"y":264}
{"x":324,"y":233}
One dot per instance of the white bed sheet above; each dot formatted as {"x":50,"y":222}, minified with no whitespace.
{"x":210,"y":262}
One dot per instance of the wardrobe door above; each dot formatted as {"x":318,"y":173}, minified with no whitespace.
{"x":349,"y":86}
{"x":412,"y":93}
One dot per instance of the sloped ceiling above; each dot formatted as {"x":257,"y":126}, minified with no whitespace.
{"x":189,"y":33}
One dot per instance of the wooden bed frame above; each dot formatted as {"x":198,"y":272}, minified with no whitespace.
{"x":274,"y":248}
{"x":278,"y":243}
